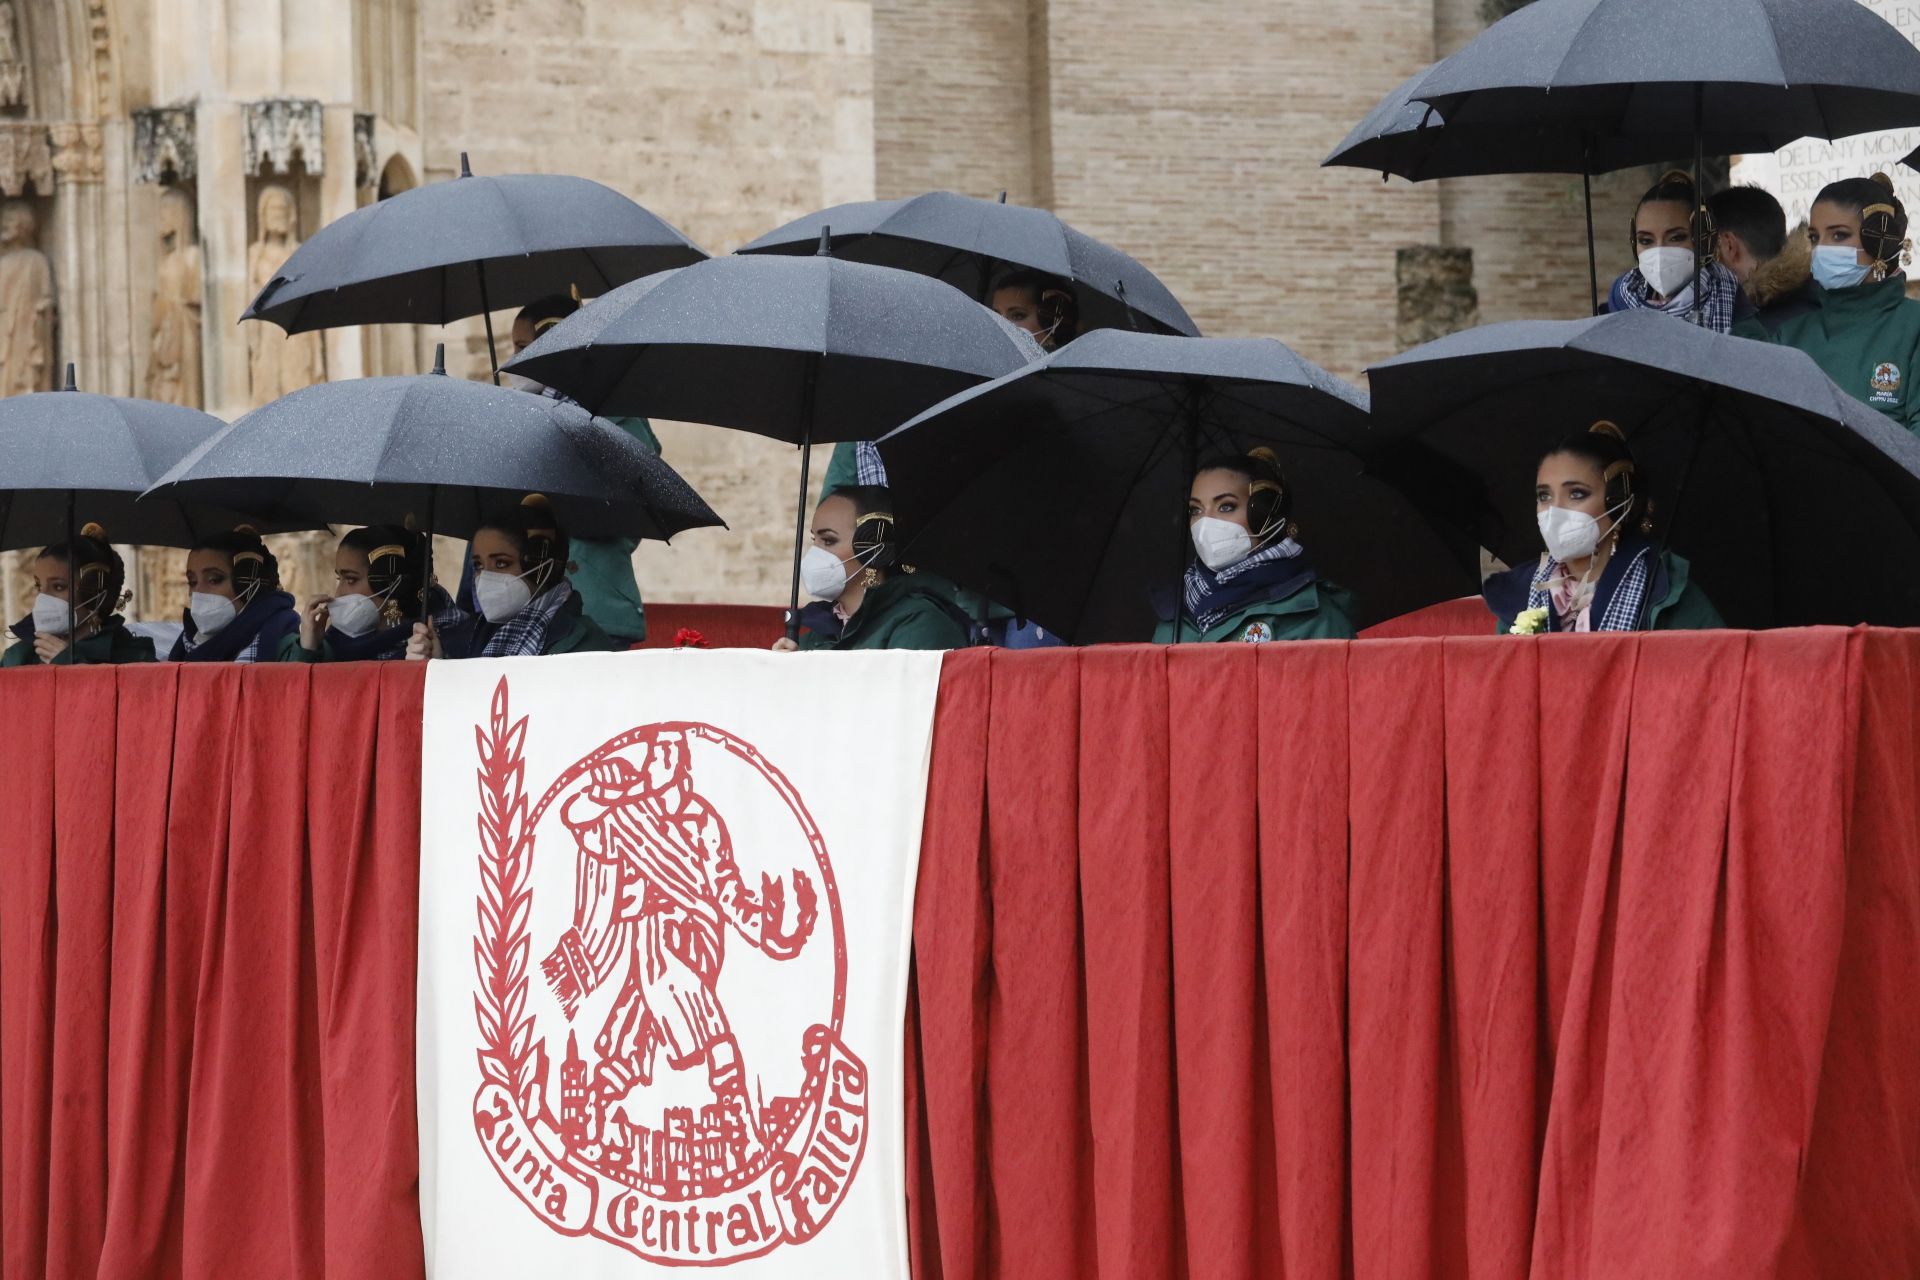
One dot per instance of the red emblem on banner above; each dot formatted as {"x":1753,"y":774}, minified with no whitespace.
{"x":690,"y":1118}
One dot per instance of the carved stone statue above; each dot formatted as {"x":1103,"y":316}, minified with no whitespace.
{"x":277,"y":362}
{"x":26,"y":304}
{"x":173,"y":361}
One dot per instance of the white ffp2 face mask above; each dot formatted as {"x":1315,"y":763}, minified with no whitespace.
{"x":49,"y":615}
{"x":823,"y":574}
{"x":1570,"y":534}
{"x":501,"y":595}
{"x":210,"y":613}
{"x":353,"y":616}
{"x":1220,"y":543}
{"x":1667,"y":270}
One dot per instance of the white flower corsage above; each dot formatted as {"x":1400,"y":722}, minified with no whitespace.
{"x":1529,"y":622}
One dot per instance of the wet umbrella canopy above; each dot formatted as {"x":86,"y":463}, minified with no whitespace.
{"x":1748,"y":75}
{"x":1795,"y":503}
{"x":103,"y":453}
{"x":806,"y":350}
{"x":1060,"y":491}
{"x":966,"y":241}
{"x":468,"y":247}
{"x":442,"y":451}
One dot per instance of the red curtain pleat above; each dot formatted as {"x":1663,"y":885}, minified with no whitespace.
{"x":190,"y":851}
{"x":1471,"y":957}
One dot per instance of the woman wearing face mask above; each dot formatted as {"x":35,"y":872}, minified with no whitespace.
{"x":862,"y":598}
{"x":1600,"y":572}
{"x":95,"y":588}
{"x":1663,"y":244}
{"x":527,"y":605}
{"x":1250,"y":580}
{"x":378,"y":575}
{"x":1866,"y":332}
{"x":237,"y":612}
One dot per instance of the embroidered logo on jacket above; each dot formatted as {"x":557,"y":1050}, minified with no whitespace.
{"x":1257,"y":633}
{"x":1886,"y":383}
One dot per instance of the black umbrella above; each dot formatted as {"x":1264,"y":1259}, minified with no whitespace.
{"x":1732,"y":75}
{"x":448,"y":250}
{"x":60,"y":450}
{"x":1061,"y":490}
{"x":1407,"y":138}
{"x":965,"y":241}
{"x":806,"y":350}
{"x":1795,"y":503}
{"x":382,"y":450}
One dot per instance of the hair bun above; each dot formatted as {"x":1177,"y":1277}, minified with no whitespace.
{"x":1265,"y":455}
{"x":1882,"y":179}
{"x":536,"y":501}
{"x":247,"y":529}
{"x":1675,"y":175}
{"x":94,"y":531}
{"x":1606,"y":428}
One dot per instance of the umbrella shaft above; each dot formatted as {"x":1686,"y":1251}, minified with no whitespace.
{"x":800,"y":513}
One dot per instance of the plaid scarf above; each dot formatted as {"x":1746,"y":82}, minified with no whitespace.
{"x":524,"y":634}
{"x":867,"y":467}
{"x":1631,"y":292}
{"x":1212,"y":595}
{"x":1620,"y":599}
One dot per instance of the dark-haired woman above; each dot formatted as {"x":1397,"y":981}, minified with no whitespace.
{"x":378,"y":575}
{"x":92,"y":576}
{"x":1251,"y":580}
{"x":1600,"y":571}
{"x":1663,"y":238}
{"x":527,"y":607}
{"x":1866,"y":332}
{"x":862,"y":597}
{"x":237,"y":611}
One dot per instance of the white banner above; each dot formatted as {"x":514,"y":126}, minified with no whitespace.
{"x":665,"y":908}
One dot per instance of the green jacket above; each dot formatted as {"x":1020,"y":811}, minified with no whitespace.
{"x":1867,"y":339}
{"x":1682,"y":606}
{"x":1317,"y":611}
{"x":900,"y":613}
{"x":603,"y":567}
{"x":112,"y":645}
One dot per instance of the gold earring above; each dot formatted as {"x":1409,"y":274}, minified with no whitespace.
{"x":870,"y":579}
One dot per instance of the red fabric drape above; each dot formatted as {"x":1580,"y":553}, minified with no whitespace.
{"x":1583,"y":957}
{"x":206,"y":971}
{"x":1588,"y":957}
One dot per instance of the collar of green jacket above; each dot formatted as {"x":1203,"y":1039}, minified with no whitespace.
{"x":1864,"y":301}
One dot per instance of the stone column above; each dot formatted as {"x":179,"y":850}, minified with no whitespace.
{"x":1434,"y":295}
{"x":223,"y":247}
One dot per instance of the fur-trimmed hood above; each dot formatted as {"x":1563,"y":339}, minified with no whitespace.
{"x":1787,"y":274}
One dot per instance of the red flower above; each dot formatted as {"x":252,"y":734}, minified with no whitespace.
{"x":688,"y":638}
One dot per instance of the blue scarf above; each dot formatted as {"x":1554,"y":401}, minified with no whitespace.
{"x":1620,"y":597}
{"x":1726,"y":303}
{"x":523,"y":635}
{"x":1271,"y":573}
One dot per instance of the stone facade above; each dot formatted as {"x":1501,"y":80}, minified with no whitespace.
{"x":1190,"y":134}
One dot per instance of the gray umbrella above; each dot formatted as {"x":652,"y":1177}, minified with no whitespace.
{"x":1061,"y":490}
{"x":468,"y":247}
{"x":1795,"y":503}
{"x":67,"y":450}
{"x":806,"y":350}
{"x":966,"y":241}
{"x":438,"y":449}
{"x":1589,"y":86}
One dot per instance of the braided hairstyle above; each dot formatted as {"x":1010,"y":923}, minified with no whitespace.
{"x":1269,"y":498}
{"x":396,"y":567}
{"x":537,"y":536}
{"x":256,"y":572}
{"x":94,"y":571}
{"x":1883,"y":219}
